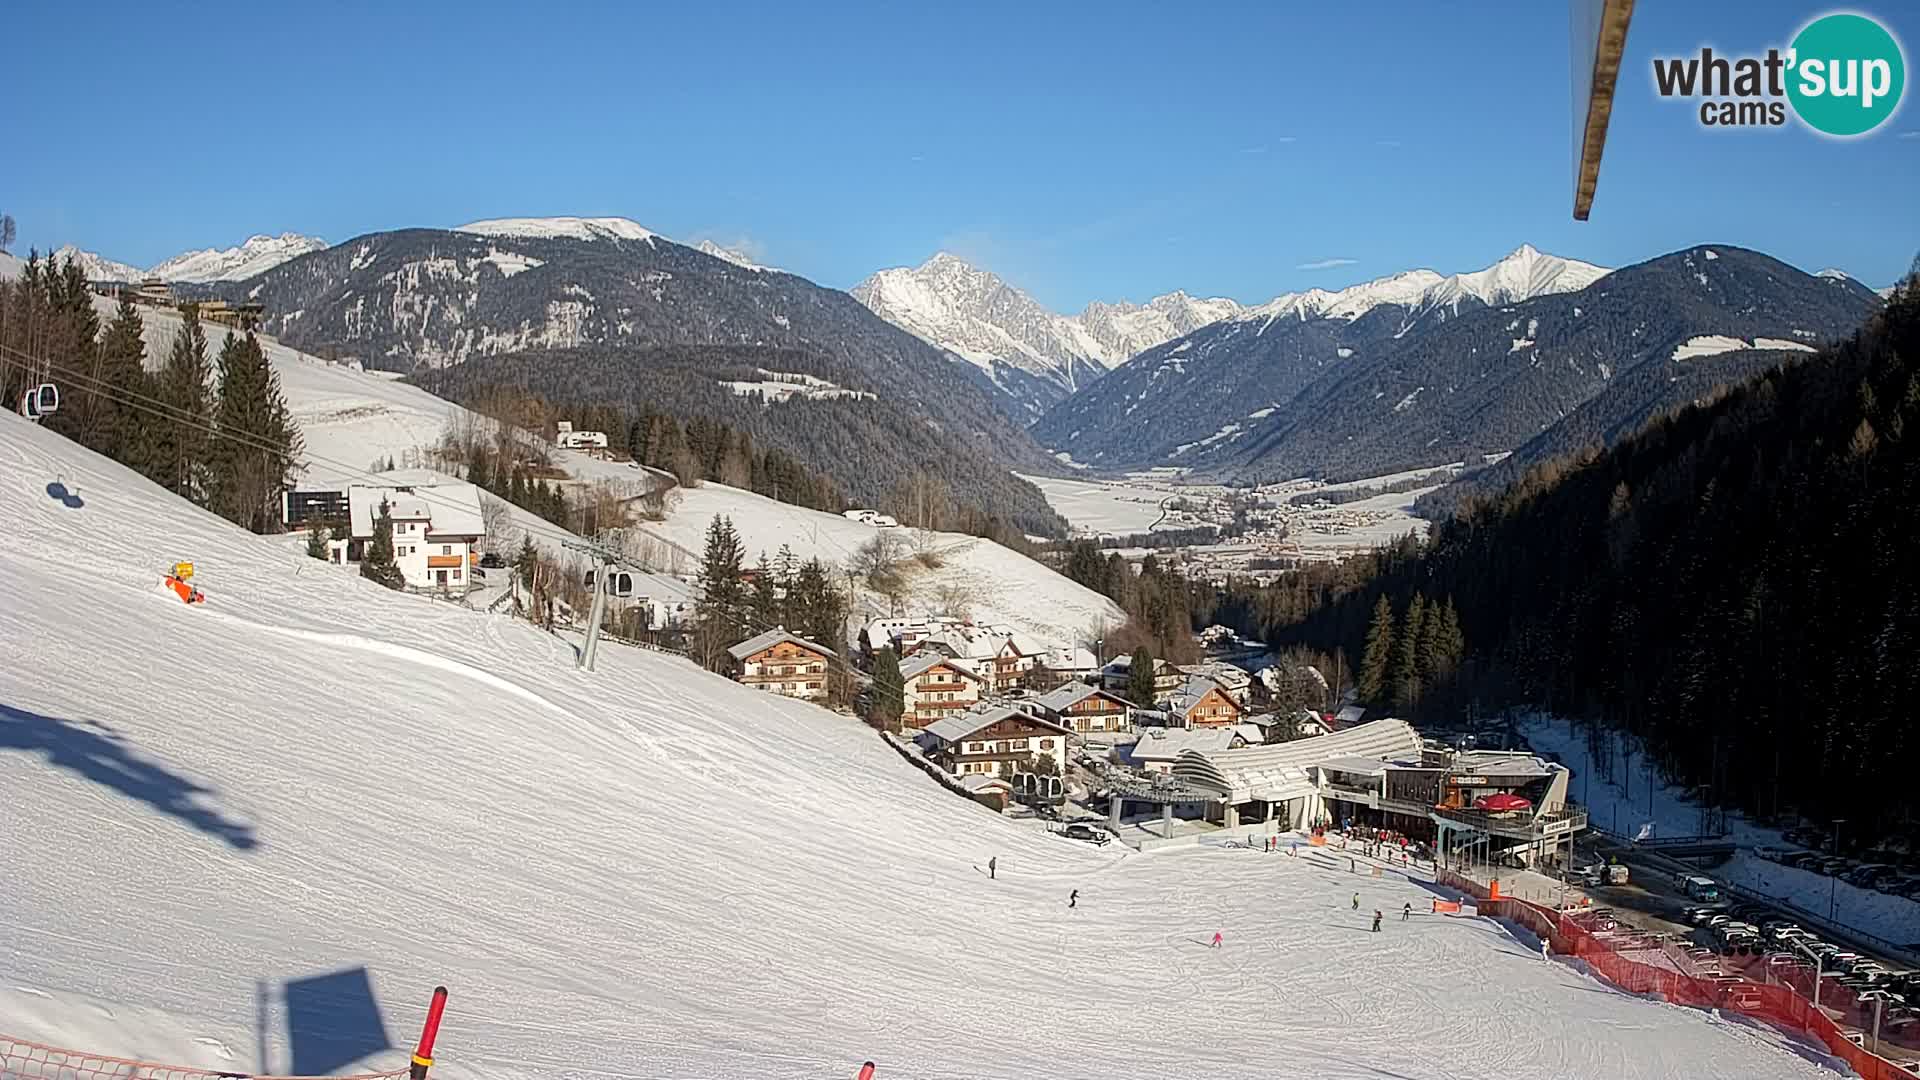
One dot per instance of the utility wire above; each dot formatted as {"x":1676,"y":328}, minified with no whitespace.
{"x":164,"y":410}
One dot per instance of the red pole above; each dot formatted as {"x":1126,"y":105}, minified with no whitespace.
{"x":423,"y":1054}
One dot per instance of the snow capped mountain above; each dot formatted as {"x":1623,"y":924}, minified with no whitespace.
{"x":97,"y":267}
{"x":737,"y":258}
{"x":1417,"y":369}
{"x":1522,"y":275}
{"x":572,"y":228}
{"x":1030,"y":354}
{"x":258,"y":255}
{"x":1130,"y":329}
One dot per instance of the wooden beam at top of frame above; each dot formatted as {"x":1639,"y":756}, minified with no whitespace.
{"x":1610,"y":46}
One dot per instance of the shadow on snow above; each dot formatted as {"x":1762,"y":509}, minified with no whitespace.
{"x":96,"y":752}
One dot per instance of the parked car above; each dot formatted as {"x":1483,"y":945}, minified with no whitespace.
{"x":1801,"y":860}
{"x":1698,"y":887}
{"x":1771,"y":854}
{"x":1080,"y":830}
{"x":492,"y":561}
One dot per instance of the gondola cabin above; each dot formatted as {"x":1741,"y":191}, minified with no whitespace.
{"x":40,"y":401}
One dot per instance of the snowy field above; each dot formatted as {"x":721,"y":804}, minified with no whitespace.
{"x":349,"y":418}
{"x":1001,"y":585}
{"x":642,"y":872}
{"x":1097,"y":508}
{"x":1895,"y":918}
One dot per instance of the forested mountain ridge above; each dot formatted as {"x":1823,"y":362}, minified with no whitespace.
{"x":422,"y":299}
{"x":863,"y":440}
{"x":1737,"y":584}
{"x":1491,"y":380}
{"x":1190,"y":400}
{"x":1411,"y":382}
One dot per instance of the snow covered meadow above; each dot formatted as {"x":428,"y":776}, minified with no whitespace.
{"x":645,"y":871}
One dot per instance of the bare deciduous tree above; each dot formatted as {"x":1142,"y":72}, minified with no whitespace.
{"x":503,"y":536}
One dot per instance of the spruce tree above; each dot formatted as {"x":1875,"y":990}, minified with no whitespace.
{"x":254,"y":457}
{"x":183,"y":440}
{"x":1140,"y":678}
{"x":128,"y":412}
{"x":317,"y":536}
{"x":378,"y":565}
{"x":1372,"y":681}
{"x":763,"y":604}
{"x":887,"y":701}
{"x":721,"y":606}
{"x":1402,"y":673}
{"x":525,"y":561}
{"x":1428,"y":658}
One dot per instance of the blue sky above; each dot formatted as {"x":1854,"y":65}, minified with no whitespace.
{"x":1083,"y":151}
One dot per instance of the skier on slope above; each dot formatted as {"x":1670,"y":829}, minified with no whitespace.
{"x":1356,"y":901}
{"x":993,"y":868}
{"x":1376,"y":920}
{"x":1073,"y":898}
{"x":1216,"y":940}
{"x":1406,"y":911}
{"x":1545,"y":956}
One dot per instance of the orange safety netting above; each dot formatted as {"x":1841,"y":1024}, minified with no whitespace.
{"x":1640,"y":963}
{"x":21,"y":1059}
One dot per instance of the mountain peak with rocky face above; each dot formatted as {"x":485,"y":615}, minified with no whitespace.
{"x":1031,"y":356}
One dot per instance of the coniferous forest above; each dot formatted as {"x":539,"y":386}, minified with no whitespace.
{"x":214,"y":429}
{"x":1737,"y":585}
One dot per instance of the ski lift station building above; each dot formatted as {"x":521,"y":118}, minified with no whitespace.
{"x":1382,"y":774}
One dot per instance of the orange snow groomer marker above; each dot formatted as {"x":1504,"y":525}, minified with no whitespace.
{"x":177,"y":581}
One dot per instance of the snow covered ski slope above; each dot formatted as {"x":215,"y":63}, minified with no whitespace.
{"x":642,"y":872}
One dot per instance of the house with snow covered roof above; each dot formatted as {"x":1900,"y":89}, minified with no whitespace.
{"x":1235,"y":681}
{"x":1085,"y":708}
{"x":1159,"y":748}
{"x":1202,"y":702}
{"x":783,"y":663}
{"x":978,"y":741}
{"x":437,"y":527}
{"x":1119,"y":671}
{"x":937,"y":686}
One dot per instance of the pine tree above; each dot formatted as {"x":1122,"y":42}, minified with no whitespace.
{"x":128,"y":412}
{"x":1372,"y":682}
{"x":1140,"y":678}
{"x":254,"y":458}
{"x":763,"y":605}
{"x":1428,"y":658}
{"x":378,"y":564}
{"x":719,"y":616}
{"x":525,"y":561}
{"x":888,"y":699}
{"x":182,"y":442}
{"x":1402,"y":673}
{"x":317,"y":537}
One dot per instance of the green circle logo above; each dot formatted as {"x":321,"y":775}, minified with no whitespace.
{"x":1847,"y":75}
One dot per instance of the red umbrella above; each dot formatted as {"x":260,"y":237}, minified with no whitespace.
{"x":1502,"y":802}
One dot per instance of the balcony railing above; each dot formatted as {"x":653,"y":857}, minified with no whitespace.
{"x":1516,"y":822}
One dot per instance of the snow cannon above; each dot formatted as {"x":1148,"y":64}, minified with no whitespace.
{"x":177,"y":581}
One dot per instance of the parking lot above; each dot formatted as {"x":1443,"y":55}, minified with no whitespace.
{"x":1735,"y":939}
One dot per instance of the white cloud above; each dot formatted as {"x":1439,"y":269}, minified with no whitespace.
{"x":1910,"y":134}
{"x":1325,"y":264}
